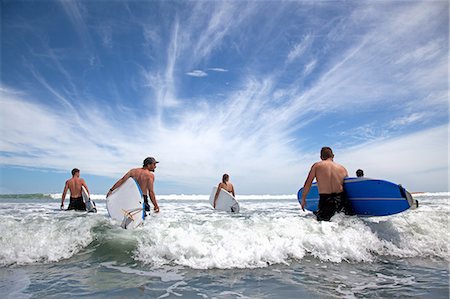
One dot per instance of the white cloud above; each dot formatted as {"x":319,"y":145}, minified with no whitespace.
{"x":299,"y":49}
{"x":218,"y":69}
{"x":418,"y":161}
{"x":310,"y":67}
{"x":106,"y":36}
{"x":409,"y":119}
{"x":195,"y":152}
{"x":425,"y":53}
{"x":250,"y":136}
{"x":76,"y":12}
{"x":197,"y":73}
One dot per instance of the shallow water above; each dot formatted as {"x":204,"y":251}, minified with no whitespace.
{"x":269,"y":250}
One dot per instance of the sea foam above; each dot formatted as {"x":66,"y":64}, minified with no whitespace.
{"x":191,"y":234}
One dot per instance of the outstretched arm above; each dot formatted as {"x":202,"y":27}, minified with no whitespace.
{"x":119,"y":183}
{"x":307,"y":185}
{"x":151,"y":193}
{"x":63,"y":197}
{"x":83,"y":183}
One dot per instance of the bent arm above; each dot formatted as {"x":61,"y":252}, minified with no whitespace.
{"x":217,"y":194}
{"x":83,"y":183}
{"x":307,"y":185}
{"x":151,"y":193}
{"x":119,"y":183}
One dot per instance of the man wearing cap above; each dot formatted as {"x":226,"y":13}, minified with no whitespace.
{"x":145,"y":178}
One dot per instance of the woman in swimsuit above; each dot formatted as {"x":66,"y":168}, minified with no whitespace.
{"x":226,"y":185}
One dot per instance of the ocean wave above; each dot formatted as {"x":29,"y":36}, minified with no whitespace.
{"x":41,"y":238}
{"x":262,"y":241}
{"x":192,"y":234}
{"x":191,"y":197}
{"x":194,"y":197}
{"x":27,"y":196}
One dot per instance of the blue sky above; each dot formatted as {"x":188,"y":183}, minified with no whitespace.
{"x":250,"y":88}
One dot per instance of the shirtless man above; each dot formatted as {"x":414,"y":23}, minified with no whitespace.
{"x":330,"y":180}
{"x":145,"y":178}
{"x":226,"y":185}
{"x":74,"y":185}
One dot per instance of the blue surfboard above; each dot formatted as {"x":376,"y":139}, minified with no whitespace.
{"x":368,"y":197}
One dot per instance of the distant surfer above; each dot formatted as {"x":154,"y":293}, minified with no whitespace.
{"x":226,"y":185}
{"x":359,"y":173}
{"x":74,"y":185}
{"x":330,"y":181}
{"x":145,"y":178}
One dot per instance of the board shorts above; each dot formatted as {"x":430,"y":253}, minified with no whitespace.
{"x":77,"y":203}
{"x":330,"y":204}
{"x":147,"y":206}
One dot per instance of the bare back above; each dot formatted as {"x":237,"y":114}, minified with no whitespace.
{"x":74,"y":184}
{"x":144,"y":178}
{"x":227,"y":187}
{"x":330,"y":176}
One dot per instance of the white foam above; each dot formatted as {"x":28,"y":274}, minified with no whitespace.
{"x":39,"y":234}
{"x":195,"y":197}
{"x":92,"y":196}
{"x":191,"y":234}
{"x":272,"y":233}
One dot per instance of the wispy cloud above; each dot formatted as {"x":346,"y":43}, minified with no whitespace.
{"x":409,"y":119}
{"x":310,"y":67}
{"x":75,"y":11}
{"x":413,"y":160}
{"x":361,"y":87}
{"x":197,"y":73}
{"x":218,"y":69}
{"x":299,"y":49}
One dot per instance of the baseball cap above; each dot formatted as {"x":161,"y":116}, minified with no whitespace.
{"x":149,"y":160}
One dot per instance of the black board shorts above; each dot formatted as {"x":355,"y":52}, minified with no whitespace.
{"x":330,"y":204}
{"x":77,"y":203}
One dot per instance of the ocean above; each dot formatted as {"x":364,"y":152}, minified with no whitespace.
{"x":271,"y":249}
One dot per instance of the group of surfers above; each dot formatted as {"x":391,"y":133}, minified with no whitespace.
{"x":328,"y":174}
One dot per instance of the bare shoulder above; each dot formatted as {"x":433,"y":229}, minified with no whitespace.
{"x":133,"y":171}
{"x":340,"y":166}
{"x":316,"y":165}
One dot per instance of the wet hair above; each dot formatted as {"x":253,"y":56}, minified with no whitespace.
{"x":326,"y":153}
{"x":74,"y":171}
{"x":225,"y":178}
{"x":359,"y":173}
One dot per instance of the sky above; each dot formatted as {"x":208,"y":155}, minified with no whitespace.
{"x":249,"y":88}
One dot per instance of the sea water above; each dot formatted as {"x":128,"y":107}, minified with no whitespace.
{"x":271,"y":249}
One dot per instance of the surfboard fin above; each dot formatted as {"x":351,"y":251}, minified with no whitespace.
{"x":126,"y":220}
{"x":128,"y":217}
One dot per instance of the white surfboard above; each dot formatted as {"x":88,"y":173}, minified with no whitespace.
{"x":126,"y":205}
{"x":90,"y":205}
{"x":225,"y":202}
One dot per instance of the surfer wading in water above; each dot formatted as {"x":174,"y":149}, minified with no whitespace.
{"x":145,"y":178}
{"x":225,"y":185}
{"x":330,"y":182}
{"x":74,"y":185}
